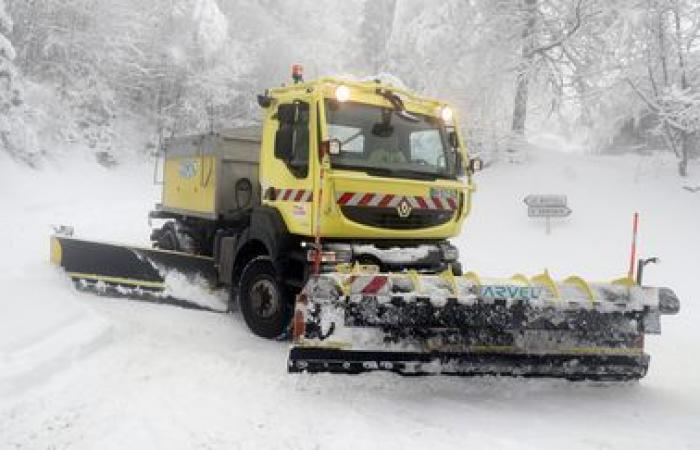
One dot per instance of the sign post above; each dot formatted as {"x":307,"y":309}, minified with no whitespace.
{"x":547,"y":206}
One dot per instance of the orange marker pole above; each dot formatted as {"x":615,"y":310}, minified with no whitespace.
{"x":633,"y":252}
{"x":323,"y":152}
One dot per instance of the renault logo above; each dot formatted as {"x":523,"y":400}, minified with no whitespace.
{"x":404,"y":209}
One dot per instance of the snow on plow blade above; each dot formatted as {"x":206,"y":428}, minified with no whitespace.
{"x":126,"y":271}
{"x":355,"y":321}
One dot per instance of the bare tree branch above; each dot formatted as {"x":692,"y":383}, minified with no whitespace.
{"x":579,"y":20}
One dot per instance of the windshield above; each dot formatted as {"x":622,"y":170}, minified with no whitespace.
{"x":384,"y":141}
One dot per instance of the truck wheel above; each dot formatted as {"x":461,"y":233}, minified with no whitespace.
{"x":167,"y":238}
{"x":174,"y":236}
{"x":263,"y":300}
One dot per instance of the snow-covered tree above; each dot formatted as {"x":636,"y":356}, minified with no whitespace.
{"x":15,"y":138}
{"x":664,"y":75}
{"x":377,"y":23}
{"x":584,"y":68}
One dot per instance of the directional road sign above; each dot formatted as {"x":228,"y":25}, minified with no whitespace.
{"x":547,"y":206}
{"x":545,"y":200}
{"x":548,"y":211}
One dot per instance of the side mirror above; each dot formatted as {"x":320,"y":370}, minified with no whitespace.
{"x":284,"y":142}
{"x":335,"y":147}
{"x":454,"y":141}
{"x":264,"y":100}
{"x":475,"y":165}
{"x":330,"y":147}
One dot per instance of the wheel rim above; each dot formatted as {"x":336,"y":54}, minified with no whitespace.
{"x":264,"y":298}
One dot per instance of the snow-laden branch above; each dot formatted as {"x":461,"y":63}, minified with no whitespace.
{"x":579,"y":20}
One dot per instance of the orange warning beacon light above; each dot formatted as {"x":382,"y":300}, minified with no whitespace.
{"x":298,"y":73}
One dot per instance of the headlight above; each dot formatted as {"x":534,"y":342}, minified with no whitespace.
{"x":342,"y":94}
{"x":332,"y":254}
{"x":446,"y":114}
{"x":450,"y":252}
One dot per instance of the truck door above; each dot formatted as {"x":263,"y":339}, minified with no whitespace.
{"x":286,"y":171}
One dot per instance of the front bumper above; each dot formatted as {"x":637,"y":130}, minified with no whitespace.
{"x":428,"y":257}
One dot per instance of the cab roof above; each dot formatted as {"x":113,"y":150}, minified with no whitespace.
{"x":360,"y":89}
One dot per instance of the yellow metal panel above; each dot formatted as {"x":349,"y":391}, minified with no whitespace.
{"x":116,"y":280}
{"x":361,"y":91}
{"x":274,"y":173}
{"x":190,"y":184}
{"x":624,"y":281}
{"x":520,"y":278}
{"x":582,"y":285}
{"x":546,"y":280}
{"x":560,"y":351}
{"x":473,"y":277}
{"x":334,"y":223}
{"x":415,"y":280}
{"x":56,"y":251}
{"x":451,"y":280}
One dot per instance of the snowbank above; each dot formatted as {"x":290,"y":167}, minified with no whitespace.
{"x":77,"y":371}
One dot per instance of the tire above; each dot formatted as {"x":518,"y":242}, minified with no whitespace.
{"x":167,"y":238}
{"x":174,"y":236}
{"x":263,"y":300}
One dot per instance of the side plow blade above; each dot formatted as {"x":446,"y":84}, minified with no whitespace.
{"x":415,"y":324}
{"x":124,"y":271}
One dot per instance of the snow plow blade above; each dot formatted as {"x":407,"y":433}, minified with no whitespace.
{"x":125,"y":271}
{"x":415,"y":324}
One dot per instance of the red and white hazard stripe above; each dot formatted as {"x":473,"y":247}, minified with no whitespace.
{"x":290,"y":195}
{"x":369,"y":285}
{"x":378,"y":200}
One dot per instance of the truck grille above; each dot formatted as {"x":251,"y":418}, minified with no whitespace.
{"x":389,"y":217}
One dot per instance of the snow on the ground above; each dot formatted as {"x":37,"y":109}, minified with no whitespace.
{"x":78,"y":371}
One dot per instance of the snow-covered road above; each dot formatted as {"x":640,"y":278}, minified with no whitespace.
{"x":77,"y":371}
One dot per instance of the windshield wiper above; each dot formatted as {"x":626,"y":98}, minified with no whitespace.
{"x":398,"y":105}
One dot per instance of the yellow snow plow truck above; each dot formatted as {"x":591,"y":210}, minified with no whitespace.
{"x":330,"y":224}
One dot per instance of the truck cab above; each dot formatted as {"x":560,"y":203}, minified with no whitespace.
{"x":393,"y":166}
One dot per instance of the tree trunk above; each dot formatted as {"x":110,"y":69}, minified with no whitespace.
{"x":685,"y":138}
{"x":520,"y":107}
{"x":388,"y":15}
{"x":685,"y":151}
{"x":662,"y":45}
{"x":523,"y":79}
{"x":377,"y":27}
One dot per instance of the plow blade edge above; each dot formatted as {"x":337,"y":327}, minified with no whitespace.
{"x":126,"y":271}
